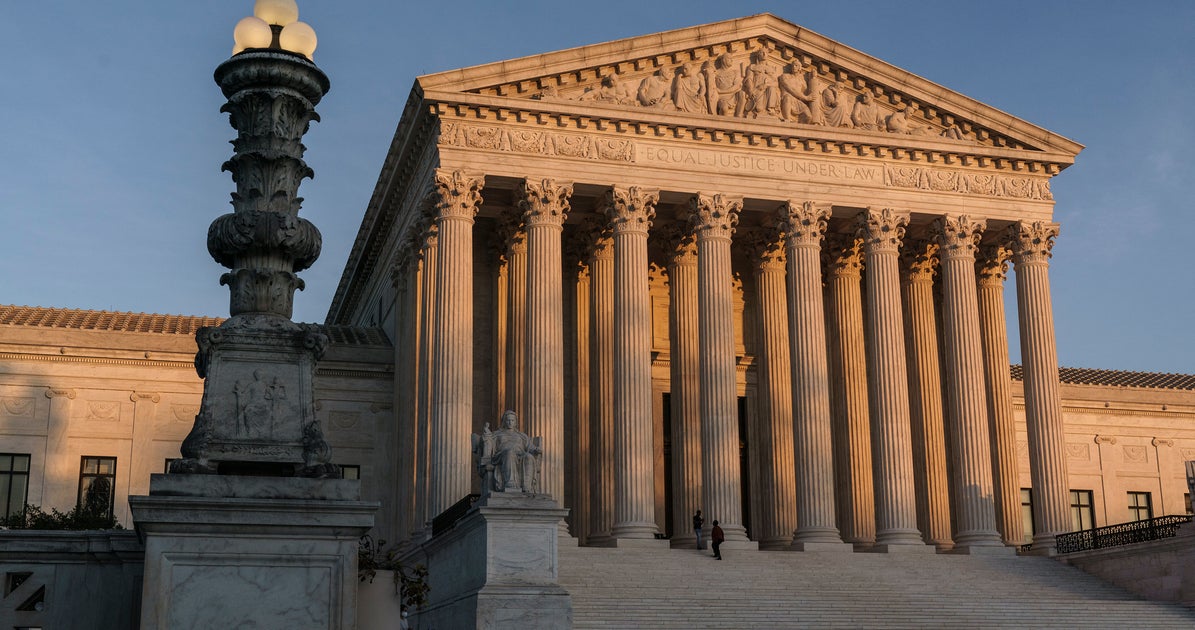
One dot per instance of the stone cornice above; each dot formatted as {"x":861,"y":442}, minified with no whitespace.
{"x":588,"y":117}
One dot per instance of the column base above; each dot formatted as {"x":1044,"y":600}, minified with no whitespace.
{"x":834,"y":547}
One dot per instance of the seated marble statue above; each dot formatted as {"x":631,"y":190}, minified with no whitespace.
{"x":507,"y":459}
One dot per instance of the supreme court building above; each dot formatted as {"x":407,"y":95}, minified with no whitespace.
{"x":739,"y":268}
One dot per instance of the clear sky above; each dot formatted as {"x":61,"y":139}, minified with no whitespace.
{"x":111,"y":139}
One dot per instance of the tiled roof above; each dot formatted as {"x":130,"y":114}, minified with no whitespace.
{"x":79,"y":319}
{"x":1117,"y":378}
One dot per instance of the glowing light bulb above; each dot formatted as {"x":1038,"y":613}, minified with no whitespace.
{"x":280,"y":12}
{"x":298,"y":37}
{"x":251,"y":32}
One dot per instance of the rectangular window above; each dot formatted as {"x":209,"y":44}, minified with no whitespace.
{"x":1141,"y":506}
{"x":14,"y":483}
{"x":351,"y":471}
{"x":1027,"y":514}
{"x":1187,"y":502}
{"x":1082,"y":512}
{"x":97,"y":484}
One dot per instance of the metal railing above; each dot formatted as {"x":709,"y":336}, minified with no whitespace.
{"x":1122,"y":534}
{"x":449,"y":517}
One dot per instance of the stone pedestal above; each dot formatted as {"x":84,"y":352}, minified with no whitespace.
{"x":497,"y":568}
{"x":236,"y":552}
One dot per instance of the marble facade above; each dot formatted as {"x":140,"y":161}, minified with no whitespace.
{"x":731,"y":162}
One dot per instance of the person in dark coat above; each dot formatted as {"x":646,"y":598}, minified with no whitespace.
{"x":697,"y":523}
{"x":717,"y":538}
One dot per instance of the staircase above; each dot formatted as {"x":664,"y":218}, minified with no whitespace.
{"x":686,"y":588}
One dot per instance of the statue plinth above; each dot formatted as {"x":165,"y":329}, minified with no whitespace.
{"x":497,"y":567}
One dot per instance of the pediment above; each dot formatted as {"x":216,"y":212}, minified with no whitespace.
{"x":760,"y":68}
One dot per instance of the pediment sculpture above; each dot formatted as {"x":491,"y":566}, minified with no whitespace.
{"x":507,"y":460}
{"x":758,"y":86}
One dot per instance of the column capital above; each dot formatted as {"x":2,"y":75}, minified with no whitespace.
{"x":958,"y":235}
{"x":678,"y":243}
{"x":804,"y":223}
{"x":457,"y":194}
{"x":882,"y":229}
{"x":631,"y":208}
{"x":765,"y":249}
{"x":595,"y":240}
{"x":919,"y":261}
{"x":1031,"y":242}
{"x":544,"y":201}
{"x":153,"y":397}
{"x":512,"y":233}
{"x":843,"y":255}
{"x":715,"y":216}
{"x":992,"y":264}
{"x":57,"y":392}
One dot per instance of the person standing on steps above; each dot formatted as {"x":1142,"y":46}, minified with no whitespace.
{"x":697,"y":523}
{"x":717,"y":537}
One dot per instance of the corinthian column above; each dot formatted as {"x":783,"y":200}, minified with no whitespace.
{"x":918,"y":262}
{"x":1031,"y":244}
{"x":457,"y":196}
{"x":685,"y":372}
{"x":545,"y":206}
{"x":991,"y":270}
{"x":714,"y":218}
{"x":421,"y":526}
{"x":855,"y":494}
{"x":516,"y":315}
{"x":888,"y":389}
{"x":975,"y":511}
{"x":804,"y":226}
{"x":631,"y":211}
{"x":601,"y":285}
{"x":777,"y":501}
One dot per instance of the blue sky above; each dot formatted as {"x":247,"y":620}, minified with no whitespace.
{"x":113,"y":140}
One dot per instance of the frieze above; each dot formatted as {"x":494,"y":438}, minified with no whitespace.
{"x":613,"y":149}
{"x":986,"y":184}
{"x":537,"y":142}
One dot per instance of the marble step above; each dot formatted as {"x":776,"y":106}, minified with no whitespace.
{"x":649,"y":588}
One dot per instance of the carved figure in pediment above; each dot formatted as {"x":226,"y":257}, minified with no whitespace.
{"x":866,"y":113}
{"x":688,"y":92}
{"x":760,"y":95}
{"x":954,"y":132}
{"x":793,"y":94}
{"x":507,"y":459}
{"x":838,"y":105}
{"x":656,"y":90}
{"x":901,"y":121}
{"x":609,"y":91}
{"x":813,"y":98}
{"x":724,"y":86}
